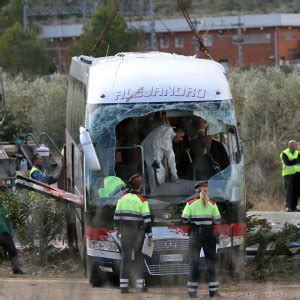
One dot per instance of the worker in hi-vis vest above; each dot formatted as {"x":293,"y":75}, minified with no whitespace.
{"x":110,"y":186}
{"x":36,"y":172}
{"x":290,"y":164}
{"x":297,"y":177}
{"x":201,"y":214}
{"x":6,"y":238}
{"x":132,"y":220}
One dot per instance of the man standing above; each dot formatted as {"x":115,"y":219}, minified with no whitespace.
{"x":36,"y":171}
{"x":132,"y":219}
{"x":289,"y":159}
{"x":6,"y":240}
{"x":201,"y":213}
{"x":158,"y":144}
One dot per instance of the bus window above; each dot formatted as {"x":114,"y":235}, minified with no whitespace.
{"x":234,"y":145}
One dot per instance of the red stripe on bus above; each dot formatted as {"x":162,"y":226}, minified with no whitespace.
{"x":98,"y":234}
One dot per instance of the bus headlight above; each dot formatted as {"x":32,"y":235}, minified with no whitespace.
{"x":103,"y":245}
{"x":225,"y":241}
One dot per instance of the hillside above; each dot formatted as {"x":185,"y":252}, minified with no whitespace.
{"x":168,"y":8}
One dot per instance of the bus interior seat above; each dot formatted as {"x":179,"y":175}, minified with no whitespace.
{"x":204,"y":167}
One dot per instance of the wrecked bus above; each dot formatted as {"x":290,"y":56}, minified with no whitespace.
{"x":119,"y":100}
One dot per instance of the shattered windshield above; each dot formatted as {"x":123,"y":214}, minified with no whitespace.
{"x":228,"y":184}
{"x":119,"y":135}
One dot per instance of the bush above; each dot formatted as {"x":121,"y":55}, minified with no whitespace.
{"x":266,"y":103}
{"x":36,"y":220}
{"x":35,"y":106}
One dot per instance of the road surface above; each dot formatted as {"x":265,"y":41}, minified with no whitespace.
{"x":77,"y":289}
{"x":277,"y":217}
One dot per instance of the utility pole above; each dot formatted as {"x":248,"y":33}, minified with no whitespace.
{"x":25,"y":14}
{"x":239,"y":40}
{"x":152,"y":26}
{"x":196,"y":44}
{"x":84,"y":9}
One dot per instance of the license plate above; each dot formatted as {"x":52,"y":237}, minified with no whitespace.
{"x":170,"y":257}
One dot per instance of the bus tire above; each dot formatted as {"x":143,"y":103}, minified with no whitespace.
{"x":233,"y":264}
{"x":237,"y":264}
{"x":94,"y":274}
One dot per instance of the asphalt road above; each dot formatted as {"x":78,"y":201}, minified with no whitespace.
{"x":277,"y":217}
{"x":75,"y":289}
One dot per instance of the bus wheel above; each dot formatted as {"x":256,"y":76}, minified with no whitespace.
{"x":237,"y":264}
{"x":94,"y":274}
{"x":233,"y":264}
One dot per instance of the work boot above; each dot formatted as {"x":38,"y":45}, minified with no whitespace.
{"x":214,"y":294}
{"x":140,"y":286}
{"x":16,"y":266}
{"x":192,"y":295}
{"x":18,"y":271}
{"x":125,"y":291}
{"x":142,"y":290}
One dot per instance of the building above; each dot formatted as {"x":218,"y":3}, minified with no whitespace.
{"x":268,"y":39}
{"x":249,"y":40}
{"x":59,"y":38}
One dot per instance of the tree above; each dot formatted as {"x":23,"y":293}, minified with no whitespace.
{"x":118,"y":39}
{"x":11,"y":11}
{"x":21,"y":52}
{"x":35,"y":106}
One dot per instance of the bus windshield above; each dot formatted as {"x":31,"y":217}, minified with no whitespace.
{"x":127,"y":137}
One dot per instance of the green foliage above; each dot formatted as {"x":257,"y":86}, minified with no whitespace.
{"x":35,"y":106}
{"x":36,"y":220}
{"x":261,"y":233}
{"x":204,"y":8}
{"x":266,"y":103}
{"x":11,"y":11}
{"x":118,"y":39}
{"x":20,"y":52}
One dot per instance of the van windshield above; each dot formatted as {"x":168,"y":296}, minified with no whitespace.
{"x":172,"y":146}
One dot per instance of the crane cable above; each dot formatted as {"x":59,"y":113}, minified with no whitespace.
{"x":193,"y":28}
{"x":107,"y":26}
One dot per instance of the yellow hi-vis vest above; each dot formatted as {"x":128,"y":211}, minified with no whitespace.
{"x":196,"y":213}
{"x":289,"y":170}
{"x":33,"y":169}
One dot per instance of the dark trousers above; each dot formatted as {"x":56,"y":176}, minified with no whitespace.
{"x":297,"y":188}
{"x":6,"y":241}
{"x":131,"y":257}
{"x":290,"y":192}
{"x":202,"y":238}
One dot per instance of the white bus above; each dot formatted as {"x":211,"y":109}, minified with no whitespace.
{"x":119,"y":100}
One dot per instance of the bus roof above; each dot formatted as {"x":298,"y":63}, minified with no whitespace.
{"x":150,"y":77}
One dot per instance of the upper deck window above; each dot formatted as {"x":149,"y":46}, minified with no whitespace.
{"x":75,"y":107}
